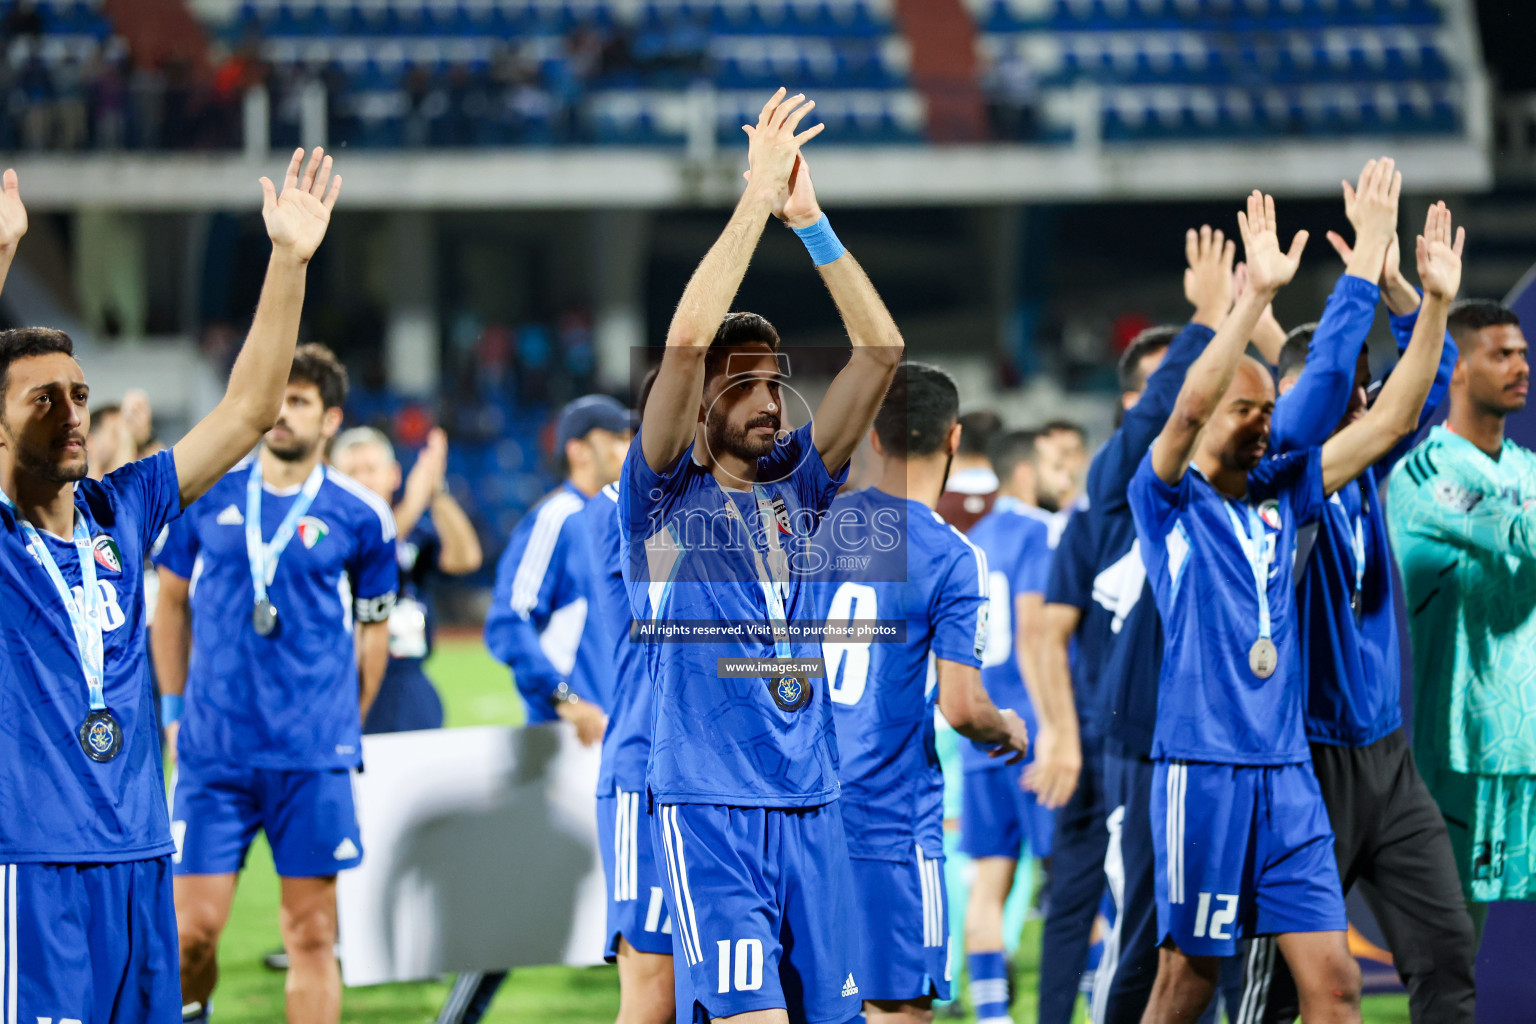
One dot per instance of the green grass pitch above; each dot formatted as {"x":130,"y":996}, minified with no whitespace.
{"x":477,"y":691}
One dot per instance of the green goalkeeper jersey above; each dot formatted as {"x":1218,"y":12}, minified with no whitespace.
{"x":1463,"y":528}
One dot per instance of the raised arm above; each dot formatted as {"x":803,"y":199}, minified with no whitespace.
{"x":1208,"y":283}
{"x":849,"y":406}
{"x":1269,"y":269}
{"x":426,"y":488}
{"x":672,"y":411}
{"x":296,"y":221}
{"x":13,"y":222}
{"x":1396,"y":413}
{"x":1307,"y":413}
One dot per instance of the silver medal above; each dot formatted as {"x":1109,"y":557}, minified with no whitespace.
{"x":1262,"y":657}
{"x":264,"y":618}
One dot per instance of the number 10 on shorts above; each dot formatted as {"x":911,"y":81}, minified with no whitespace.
{"x":748,"y":975}
{"x":1220,"y":922}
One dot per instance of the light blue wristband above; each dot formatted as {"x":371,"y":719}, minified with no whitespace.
{"x":821,"y":242}
{"x":170,"y":708}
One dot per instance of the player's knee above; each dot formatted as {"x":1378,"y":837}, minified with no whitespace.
{"x":198,"y":932}
{"x":1337,"y":981}
{"x":311,"y":934}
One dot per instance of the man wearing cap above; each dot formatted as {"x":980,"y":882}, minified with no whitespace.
{"x":542,"y":623}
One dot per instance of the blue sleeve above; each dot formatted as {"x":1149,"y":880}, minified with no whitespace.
{"x":178,"y":550}
{"x":646,"y":496}
{"x":521,"y":604}
{"x":1115,"y":464}
{"x":798,"y":459}
{"x":1154,"y":504}
{"x":374,"y":568}
{"x":1034,"y":565}
{"x":1306,"y":414}
{"x":959,"y":622}
{"x":149,"y":491}
{"x":1402,"y":331}
{"x":1071,"y":578}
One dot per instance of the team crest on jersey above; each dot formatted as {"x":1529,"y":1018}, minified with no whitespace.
{"x":982,"y":615}
{"x":1269,"y":511}
{"x":107,"y":555}
{"x":781,"y":514}
{"x":312,"y":531}
{"x":1456,"y":497}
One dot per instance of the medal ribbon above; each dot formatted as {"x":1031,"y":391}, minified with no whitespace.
{"x":1252,"y":543}
{"x":263,"y":556}
{"x":770,"y":584}
{"x":86,"y":621}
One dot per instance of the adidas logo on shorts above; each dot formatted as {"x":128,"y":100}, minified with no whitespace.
{"x":849,"y":988}
{"x":347,"y":850}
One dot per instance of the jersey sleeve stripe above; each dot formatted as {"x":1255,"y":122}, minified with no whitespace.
{"x":373,"y":501}
{"x":534,"y":565}
{"x":981,"y":560}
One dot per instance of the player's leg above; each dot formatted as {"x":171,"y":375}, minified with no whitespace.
{"x":307,"y":920}
{"x":203,"y":903}
{"x":723,"y":867}
{"x":214,"y":817}
{"x":1327,"y":976}
{"x":992,"y":828}
{"x":904,"y":960}
{"x":1129,"y":965}
{"x":1203,"y":838}
{"x":311,"y":823}
{"x":1299,"y":896}
{"x":1413,"y":890}
{"x":822,"y":947}
{"x":1076,"y":890}
{"x":1184,"y":987}
{"x":639,"y":927}
{"x":645,"y":986}
{"x":59,"y":962}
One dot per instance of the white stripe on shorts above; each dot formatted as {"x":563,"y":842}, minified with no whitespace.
{"x":10,"y":943}
{"x":678,"y":868}
{"x":633,"y":874}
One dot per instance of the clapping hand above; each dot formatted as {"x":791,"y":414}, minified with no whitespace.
{"x":1269,"y":268}
{"x":1439,"y":257}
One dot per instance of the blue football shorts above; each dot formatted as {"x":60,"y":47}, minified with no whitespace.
{"x":637,"y":907}
{"x":89,"y":942}
{"x":309,"y":818}
{"x":763,"y":906}
{"x":998,"y":816}
{"x":1241,"y":851}
{"x":905,"y":917}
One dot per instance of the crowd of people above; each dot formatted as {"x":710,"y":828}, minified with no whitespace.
{"x":1170,"y":670}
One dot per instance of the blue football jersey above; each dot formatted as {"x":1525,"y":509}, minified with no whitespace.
{"x":627,"y":743}
{"x":1350,"y":653}
{"x":882,"y":692}
{"x":727,"y":741}
{"x":1016,"y":539}
{"x":289,"y":700}
{"x":542,"y":622}
{"x":1074,"y":566}
{"x":1211,"y":705}
{"x":56,"y":804}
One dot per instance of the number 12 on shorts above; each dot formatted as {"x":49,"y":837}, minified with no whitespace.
{"x":748,"y":973}
{"x":1220,"y":923}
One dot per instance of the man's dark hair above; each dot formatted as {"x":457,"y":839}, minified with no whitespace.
{"x":1064,"y":427}
{"x":1293,"y":354}
{"x":920,"y":407}
{"x":1008,"y":450}
{"x":977,"y":431}
{"x":1471,"y":315}
{"x":315,"y":364}
{"x":736,"y":331}
{"x":25,"y":342}
{"x":1153,"y":339}
{"x":103,"y":411}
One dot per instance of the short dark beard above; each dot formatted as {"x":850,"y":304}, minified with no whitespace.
{"x":298,"y":453}
{"x":736,"y":440}
{"x":28,"y":461}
